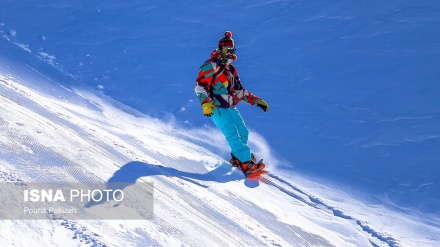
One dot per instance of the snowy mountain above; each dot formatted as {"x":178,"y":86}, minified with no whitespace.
{"x":103,"y":92}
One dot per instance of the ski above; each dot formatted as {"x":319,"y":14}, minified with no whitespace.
{"x":255,"y":175}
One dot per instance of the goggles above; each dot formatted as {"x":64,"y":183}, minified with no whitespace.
{"x":228,"y":50}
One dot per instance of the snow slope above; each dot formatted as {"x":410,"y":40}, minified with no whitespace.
{"x":357,"y":81}
{"x":50,"y":133}
{"x":353,"y":95}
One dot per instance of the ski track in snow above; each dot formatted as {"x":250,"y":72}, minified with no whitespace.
{"x":317,"y":203}
{"x":199,"y":200}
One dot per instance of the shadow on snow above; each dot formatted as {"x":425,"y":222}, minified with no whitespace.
{"x":134,"y":170}
{"x":129,"y":173}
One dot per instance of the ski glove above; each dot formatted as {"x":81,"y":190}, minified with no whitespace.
{"x":263,"y":105}
{"x":208,"y":109}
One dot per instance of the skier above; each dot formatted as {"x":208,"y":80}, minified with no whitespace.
{"x":219,"y":89}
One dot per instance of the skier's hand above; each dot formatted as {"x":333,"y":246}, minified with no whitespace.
{"x":208,"y":109}
{"x":263,"y":105}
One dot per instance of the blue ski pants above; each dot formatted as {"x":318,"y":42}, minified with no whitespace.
{"x":231,"y":124}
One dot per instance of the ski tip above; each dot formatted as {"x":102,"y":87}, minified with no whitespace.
{"x":256,"y":175}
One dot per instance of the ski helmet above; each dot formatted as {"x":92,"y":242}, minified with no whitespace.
{"x":226,"y":49}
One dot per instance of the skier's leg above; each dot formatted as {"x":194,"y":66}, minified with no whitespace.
{"x":239,"y":123}
{"x":223,"y":120}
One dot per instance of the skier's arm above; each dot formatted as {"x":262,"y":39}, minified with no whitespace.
{"x":203,"y":87}
{"x":242,"y":93}
{"x":202,"y":92}
{"x":252,"y":99}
